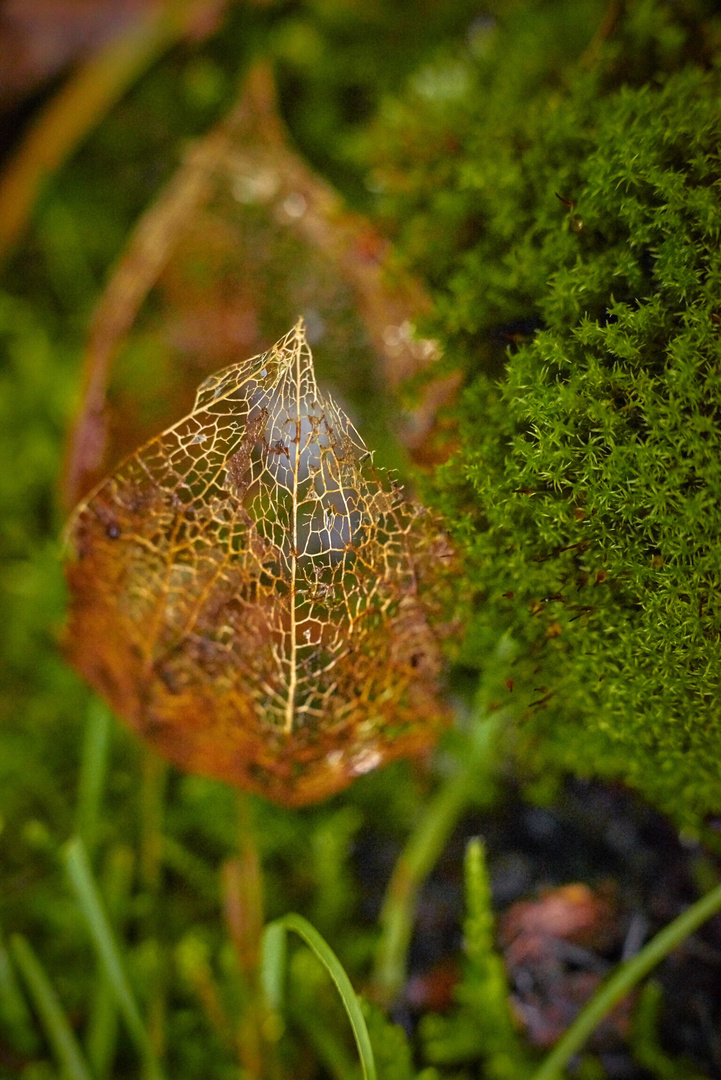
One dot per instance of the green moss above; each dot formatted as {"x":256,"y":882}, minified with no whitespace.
{"x":587,"y":486}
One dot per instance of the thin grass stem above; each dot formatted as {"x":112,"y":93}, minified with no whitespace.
{"x":93,"y":770}
{"x":14,"y":1012}
{"x":101,"y":934}
{"x":457,"y":793}
{"x":50,"y":1012}
{"x":102,"y":1030}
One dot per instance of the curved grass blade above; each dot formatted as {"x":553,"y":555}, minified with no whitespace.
{"x":272,"y":952}
{"x":50,"y":1011}
{"x":88,"y":897}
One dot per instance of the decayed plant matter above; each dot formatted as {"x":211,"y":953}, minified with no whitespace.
{"x":249,"y":595}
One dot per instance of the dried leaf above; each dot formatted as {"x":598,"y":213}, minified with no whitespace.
{"x":556,"y":952}
{"x":245,"y":235}
{"x":252,"y":599}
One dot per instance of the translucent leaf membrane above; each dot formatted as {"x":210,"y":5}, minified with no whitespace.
{"x":243,"y":238}
{"x":252,"y":599}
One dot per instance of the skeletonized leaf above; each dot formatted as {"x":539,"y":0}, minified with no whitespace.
{"x":250,"y":596}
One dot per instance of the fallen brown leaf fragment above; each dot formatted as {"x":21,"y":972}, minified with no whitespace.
{"x":555,"y":953}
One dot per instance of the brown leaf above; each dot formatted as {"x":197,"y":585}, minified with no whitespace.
{"x":250,"y":596}
{"x":551,"y":949}
{"x":243,"y":237}
{"x":575,"y":913}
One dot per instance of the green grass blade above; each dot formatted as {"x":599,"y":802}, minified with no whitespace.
{"x":53,"y":1019}
{"x":88,"y":897}
{"x":93,"y":769}
{"x":468,"y":786}
{"x":102,"y":1028}
{"x":626,"y":976}
{"x":272,"y":964}
{"x":14,"y":1012}
{"x":334,"y":968}
{"x":102,"y":1035}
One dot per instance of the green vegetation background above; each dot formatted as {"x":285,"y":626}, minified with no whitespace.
{"x":553,"y":176}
